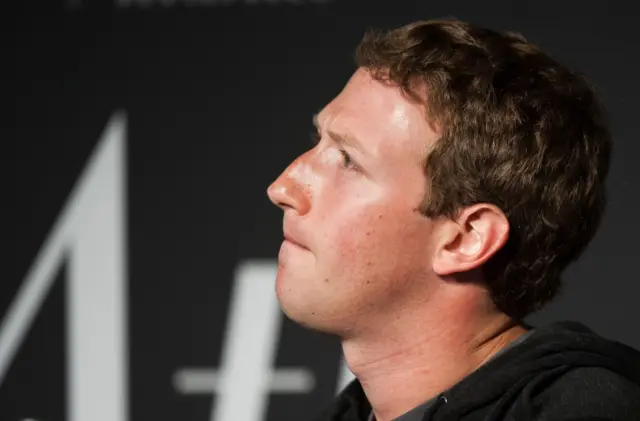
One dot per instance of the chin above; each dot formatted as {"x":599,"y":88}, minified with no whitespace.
{"x":299,"y":305}
{"x":294,"y":303}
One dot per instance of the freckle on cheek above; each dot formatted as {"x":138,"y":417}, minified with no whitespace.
{"x":326,"y":279}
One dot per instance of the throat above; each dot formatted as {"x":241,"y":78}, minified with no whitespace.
{"x":400,"y":375}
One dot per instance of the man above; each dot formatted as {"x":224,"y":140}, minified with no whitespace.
{"x":453,"y":179}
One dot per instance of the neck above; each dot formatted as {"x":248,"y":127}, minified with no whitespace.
{"x":414,"y":354}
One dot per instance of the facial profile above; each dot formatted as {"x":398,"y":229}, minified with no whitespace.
{"x":356,"y":246}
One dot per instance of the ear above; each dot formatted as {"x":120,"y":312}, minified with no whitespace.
{"x":470,"y":240}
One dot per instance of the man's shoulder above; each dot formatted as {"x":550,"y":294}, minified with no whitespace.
{"x":590,"y":393}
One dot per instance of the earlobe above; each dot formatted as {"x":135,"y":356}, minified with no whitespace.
{"x":470,"y":240}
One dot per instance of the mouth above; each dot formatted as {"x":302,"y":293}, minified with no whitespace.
{"x":292,"y":241}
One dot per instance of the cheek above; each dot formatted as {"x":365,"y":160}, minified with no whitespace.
{"x":379,"y":247}
{"x":361,"y":230}
{"x":364,"y":240}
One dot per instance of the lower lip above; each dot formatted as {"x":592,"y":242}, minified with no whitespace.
{"x":286,"y":249}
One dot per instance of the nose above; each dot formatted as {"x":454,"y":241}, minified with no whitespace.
{"x":290,"y":191}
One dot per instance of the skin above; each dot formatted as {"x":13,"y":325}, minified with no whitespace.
{"x":402,"y":291}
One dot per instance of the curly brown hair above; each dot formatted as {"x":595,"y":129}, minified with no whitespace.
{"x":518,"y":130}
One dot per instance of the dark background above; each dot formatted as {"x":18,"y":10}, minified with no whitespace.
{"x":218,"y":98}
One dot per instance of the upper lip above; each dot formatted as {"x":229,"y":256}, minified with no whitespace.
{"x":292,"y":236}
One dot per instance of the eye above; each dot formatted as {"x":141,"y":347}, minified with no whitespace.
{"x":347,"y":162}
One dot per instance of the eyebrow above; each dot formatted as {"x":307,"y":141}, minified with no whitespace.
{"x":347,"y":138}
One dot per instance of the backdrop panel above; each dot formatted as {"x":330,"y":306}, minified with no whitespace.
{"x":140,"y":245}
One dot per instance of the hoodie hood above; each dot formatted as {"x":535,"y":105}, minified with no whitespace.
{"x":525,"y":370}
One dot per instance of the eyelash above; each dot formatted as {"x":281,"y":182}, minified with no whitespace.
{"x":347,"y":161}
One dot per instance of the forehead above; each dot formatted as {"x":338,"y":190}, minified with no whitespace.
{"x":385,"y":121}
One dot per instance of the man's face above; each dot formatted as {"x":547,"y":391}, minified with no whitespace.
{"x":355,"y":244}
